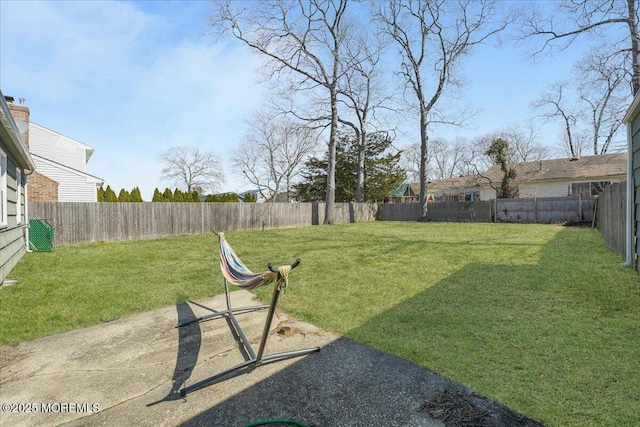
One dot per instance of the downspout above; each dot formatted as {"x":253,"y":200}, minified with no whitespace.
{"x":629,"y":229}
{"x":26,"y":211}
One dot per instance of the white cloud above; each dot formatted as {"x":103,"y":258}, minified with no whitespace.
{"x":129,"y":83}
{"x":61,"y":49}
{"x":133,"y":78}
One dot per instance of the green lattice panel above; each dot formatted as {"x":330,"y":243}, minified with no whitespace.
{"x":40,"y":235}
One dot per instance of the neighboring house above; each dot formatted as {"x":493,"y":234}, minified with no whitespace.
{"x":584,"y":176}
{"x":457,"y":189}
{"x":62,"y":160}
{"x":403,"y":193}
{"x":256,"y":193}
{"x":15,"y":165}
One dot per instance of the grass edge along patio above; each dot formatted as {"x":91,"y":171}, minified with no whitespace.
{"x":540,"y":318}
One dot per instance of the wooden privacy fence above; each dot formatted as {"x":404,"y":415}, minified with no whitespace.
{"x":438,"y":211}
{"x":548,"y":210}
{"x":611,"y":216}
{"x":95,"y":222}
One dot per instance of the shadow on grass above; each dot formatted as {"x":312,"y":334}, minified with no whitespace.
{"x":552,"y":340}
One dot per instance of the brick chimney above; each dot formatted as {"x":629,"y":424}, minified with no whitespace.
{"x":20,"y":113}
{"x":41,"y":188}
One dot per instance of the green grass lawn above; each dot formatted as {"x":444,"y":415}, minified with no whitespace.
{"x":540,"y":318}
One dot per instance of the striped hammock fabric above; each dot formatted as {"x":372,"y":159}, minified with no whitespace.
{"x":234,"y":271}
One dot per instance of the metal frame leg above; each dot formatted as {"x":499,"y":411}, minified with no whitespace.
{"x":254,"y":359}
{"x":219,"y":313}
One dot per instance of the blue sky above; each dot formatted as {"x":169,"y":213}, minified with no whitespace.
{"x":132,"y":79}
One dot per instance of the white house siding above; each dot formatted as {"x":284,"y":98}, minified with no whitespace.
{"x":73,"y":185}
{"x":559,"y":188}
{"x":487,"y":193}
{"x":547,"y":189}
{"x":58,"y":148}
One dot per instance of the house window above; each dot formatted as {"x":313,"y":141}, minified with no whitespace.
{"x":3,"y":189}
{"x":588,"y":189}
{"x":18,"y":195}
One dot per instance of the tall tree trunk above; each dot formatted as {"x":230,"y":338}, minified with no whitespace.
{"x":635,"y":46}
{"x":424,"y":139}
{"x":331,"y":167}
{"x":362,"y":148}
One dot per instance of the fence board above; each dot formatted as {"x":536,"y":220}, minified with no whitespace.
{"x":437,"y":211}
{"x":546,"y":210}
{"x":95,"y":222}
{"x":551,"y":210}
{"x":611,"y":216}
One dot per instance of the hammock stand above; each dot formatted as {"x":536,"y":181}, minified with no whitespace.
{"x":236,"y":272}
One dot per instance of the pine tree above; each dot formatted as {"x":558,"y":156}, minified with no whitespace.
{"x":110,"y":195}
{"x":100,"y":194}
{"x":223,"y":198}
{"x":382,"y":171}
{"x":178,"y":196}
{"x":249,"y":197}
{"x":123,"y":196}
{"x":135,"y":195}
{"x":167,"y":196}
{"x":195,"y":197}
{"x":157,"y":196}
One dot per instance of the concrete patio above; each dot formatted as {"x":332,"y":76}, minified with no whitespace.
{"x":130,"y":371}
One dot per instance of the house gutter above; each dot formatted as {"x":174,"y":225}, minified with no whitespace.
{"x":26,"y":218}
{"x":21,"y":153}
{"x":18,"y":147}
{"x":633,"y":111}
{"x":629,"y":226}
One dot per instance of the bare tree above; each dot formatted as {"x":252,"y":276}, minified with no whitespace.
{"x":591,"y":108}
{"x":272,"y":152}
{"x":571,"y":19}
{"x":361,"y":91}
{"x":447,"y":159}
{"x":462,"y":157}
{"x":602,"y":91}
{"x":432,"y":37}
{"x":410,"y":161}
{"x":524,"y":145}
{"x":302,"y":42}
{"x":190,"y":169}
{"x":554,"y":105}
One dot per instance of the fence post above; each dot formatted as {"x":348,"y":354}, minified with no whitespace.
{"x":494,"y":206}
{"x":579,"y":208}
{"x":535,"y":210}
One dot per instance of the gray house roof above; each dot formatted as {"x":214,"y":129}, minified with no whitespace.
{"x":586,"y":168}
{"x":583,"y":168}
{"x":446,"y":183}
